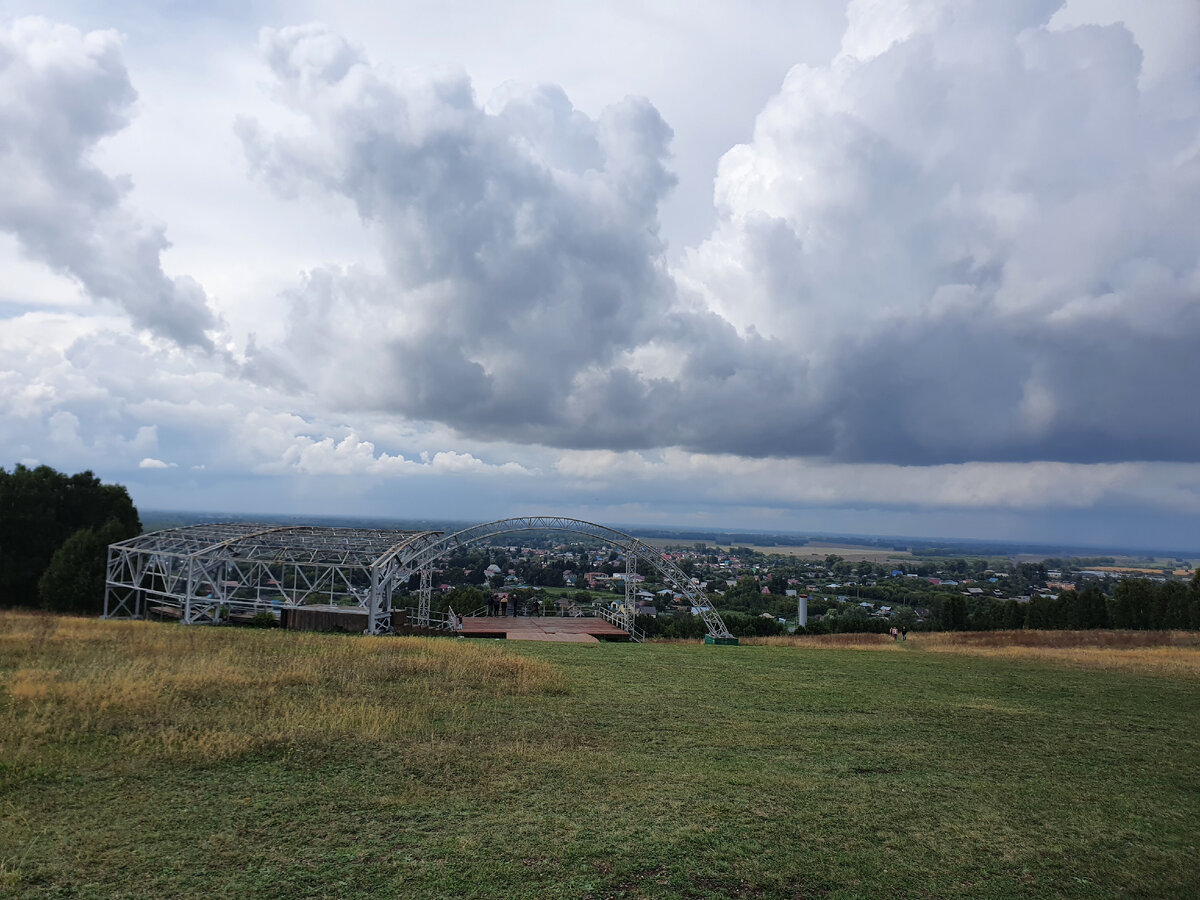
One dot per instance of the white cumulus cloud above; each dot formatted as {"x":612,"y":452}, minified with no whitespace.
{"x":61,"y":92}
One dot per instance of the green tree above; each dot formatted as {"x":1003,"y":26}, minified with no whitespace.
{"x":1173,"y":605}
{"x":39,"y":509}
{"x":1132,"y":604}
{"x":1093,"y":608}
{"x":1041,"y":612}
{"x":463,"y":599}
{"x":1014,"y":615}
{"x":954,"y":613}
{"x":987,"y":616}
{"x":74,"y":579}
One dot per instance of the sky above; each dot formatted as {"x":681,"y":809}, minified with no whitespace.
{"x":927,"y":268}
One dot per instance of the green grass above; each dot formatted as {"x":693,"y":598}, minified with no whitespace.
{"x":271,"y":764}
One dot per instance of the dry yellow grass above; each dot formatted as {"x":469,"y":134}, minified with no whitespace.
{"x":1153,"y":652}
{"x":1158,"y":660}
{"x":828,"y":641}
{"x":1175,"y":653}
{"x":208,"y":693}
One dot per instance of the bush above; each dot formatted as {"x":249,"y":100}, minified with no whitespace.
{"x":264,"y":619}
{"x":74,"y":580}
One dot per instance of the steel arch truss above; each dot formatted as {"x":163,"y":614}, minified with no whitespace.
{"x":420,"y":558}
{"x":206,"y":573}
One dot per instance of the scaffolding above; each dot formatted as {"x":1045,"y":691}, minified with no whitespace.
{"x":215,"y":573}
{"x":208,"y":574}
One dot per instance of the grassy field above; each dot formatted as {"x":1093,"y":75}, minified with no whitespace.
{"x":152,"y":760}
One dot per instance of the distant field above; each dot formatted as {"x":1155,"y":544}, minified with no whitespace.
{"x":1135,"y":570}
{"x":1130,"y":563}
{"x":153,"y":760}
{"x":1175,"y":653}
{"x":814,"y":550}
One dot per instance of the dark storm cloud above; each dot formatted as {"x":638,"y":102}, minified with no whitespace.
{"x":61,"y":92}
{"x":969,"y":237}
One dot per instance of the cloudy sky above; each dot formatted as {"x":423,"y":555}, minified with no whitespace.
{"x":927,"y":267}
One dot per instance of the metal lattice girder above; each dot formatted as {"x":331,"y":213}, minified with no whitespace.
{"x":206,"y":572}
{"x":424,"y":597}
{"x":420,"y":555}
{"x":630,"y":610}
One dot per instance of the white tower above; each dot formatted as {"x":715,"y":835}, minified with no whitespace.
{"x":802,"y":613}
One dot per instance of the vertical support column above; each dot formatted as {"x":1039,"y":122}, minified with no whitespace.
{"x":128,"y":568}
{"x":190,"y":592}
{"x":630,"y":587}
{"x":110,"y":572}
{"x":373,"y":603}
{"x":423,"y":596}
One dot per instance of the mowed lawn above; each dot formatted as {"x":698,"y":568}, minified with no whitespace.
{"x":153,"y":760}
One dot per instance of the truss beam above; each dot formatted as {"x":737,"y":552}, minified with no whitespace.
{"x":207,"y":573}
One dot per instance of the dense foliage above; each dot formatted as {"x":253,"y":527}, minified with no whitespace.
{"x":1136,"y":603}
{"x":54,"y":529}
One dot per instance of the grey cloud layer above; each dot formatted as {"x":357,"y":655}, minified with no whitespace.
{"x":967,"y":237}
{"x":520,"y":246}
{"x":983,"y":231}
{"x":61,"y":92}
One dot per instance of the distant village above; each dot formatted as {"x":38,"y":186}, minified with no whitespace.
{"x":775,"y":593}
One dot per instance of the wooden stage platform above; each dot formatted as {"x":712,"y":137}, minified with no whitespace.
{"x":583,"y":629}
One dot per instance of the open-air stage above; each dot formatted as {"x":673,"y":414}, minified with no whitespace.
{"x":582,"y":629}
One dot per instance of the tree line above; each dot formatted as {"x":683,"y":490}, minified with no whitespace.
{"x":54,"y":535}
{"x":1136,"y":603}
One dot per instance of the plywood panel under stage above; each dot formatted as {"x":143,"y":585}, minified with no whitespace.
{"x":584,"y":629}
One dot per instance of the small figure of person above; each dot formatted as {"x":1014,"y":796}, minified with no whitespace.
{"x":904,"y":633}
{"x":504,"y":606}
{"x":895,"y":634}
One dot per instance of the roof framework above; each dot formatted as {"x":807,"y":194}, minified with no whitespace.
{"x":208,"y":573}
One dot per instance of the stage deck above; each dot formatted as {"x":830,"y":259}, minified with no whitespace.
{"x":583,"y":629}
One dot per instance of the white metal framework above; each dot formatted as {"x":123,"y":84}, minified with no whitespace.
{"x":206,"y":573}
{"x":415,"y":558}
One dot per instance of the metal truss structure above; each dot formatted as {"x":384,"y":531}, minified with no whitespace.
{"x":416,"y":558}
{"x":207,"y":573}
